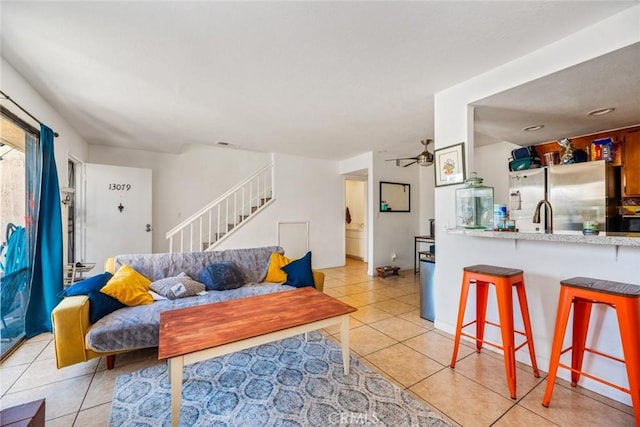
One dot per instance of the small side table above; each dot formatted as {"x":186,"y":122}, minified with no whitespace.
{"x":416,"y":241}
{"x":28,"y":415}
{"x":385,"y":270}
{"x":74,"y":272}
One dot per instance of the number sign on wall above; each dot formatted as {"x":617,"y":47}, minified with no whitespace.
{"x":119,"y":187}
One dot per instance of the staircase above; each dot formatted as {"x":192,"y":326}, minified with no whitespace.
{"x":211,"y":225}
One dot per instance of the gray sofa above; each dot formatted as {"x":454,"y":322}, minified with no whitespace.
{"x":130,"y":328}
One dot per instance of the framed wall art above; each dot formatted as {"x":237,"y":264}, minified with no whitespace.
{"x":395,"y":197}
{"x":449,"y":165}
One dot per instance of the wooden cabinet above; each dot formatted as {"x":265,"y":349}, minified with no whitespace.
{"x":584,"y":143}
{"x":626,"y":150}
{"x":27,"y":414}
{"x":631,"y":165}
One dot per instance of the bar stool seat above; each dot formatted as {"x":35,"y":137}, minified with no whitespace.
{"x":582,"y":293}
{"x":504,"y":279}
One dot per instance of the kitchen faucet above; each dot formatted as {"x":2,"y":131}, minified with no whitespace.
{"x":549,"y":216}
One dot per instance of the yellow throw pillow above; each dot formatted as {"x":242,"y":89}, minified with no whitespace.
{"x":129,"y":287}
{"x":274,"y":274}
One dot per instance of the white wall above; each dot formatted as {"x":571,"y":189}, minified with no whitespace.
{"x":490,"y":163}
{"x":427,"y":196}
{"x":306,"y":190}
{"x":545,"y":264}
{"x":68,"y":143}
{"x":393,"y":232}
{"x":185,"y":182}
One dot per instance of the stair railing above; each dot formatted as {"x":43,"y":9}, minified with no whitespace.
{"x":212,"y":224}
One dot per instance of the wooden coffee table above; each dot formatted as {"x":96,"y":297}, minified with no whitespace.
{"x":193,"y":334}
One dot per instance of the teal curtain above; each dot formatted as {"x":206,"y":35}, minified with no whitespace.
{"x":45,"y":219}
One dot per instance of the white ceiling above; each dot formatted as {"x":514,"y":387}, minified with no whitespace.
{"x":560,"y":102}
{"x":319,"y":79}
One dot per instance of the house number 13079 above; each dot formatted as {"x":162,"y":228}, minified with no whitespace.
{"x":120,"y":187}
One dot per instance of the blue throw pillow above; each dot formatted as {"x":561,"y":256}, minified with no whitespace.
{"x":101,"y":304}
{"x":299,"y":272}
{"x":222,"y":276}
{"x":87,"y":285}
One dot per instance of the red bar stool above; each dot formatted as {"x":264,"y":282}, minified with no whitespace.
{"x":582,"y":293}
{"x":504,"y":279}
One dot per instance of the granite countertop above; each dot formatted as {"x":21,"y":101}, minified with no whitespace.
{"x":613,"y":239}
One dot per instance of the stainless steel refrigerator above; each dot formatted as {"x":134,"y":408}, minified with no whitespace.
{"x":577,"y":192}
{"x":583,"y":192}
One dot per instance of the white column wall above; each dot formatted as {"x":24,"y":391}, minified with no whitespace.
{"x":545,"y":264}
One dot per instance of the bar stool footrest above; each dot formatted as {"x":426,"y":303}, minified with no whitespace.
{"x":492,"y":344}
{"x":593,"y":377}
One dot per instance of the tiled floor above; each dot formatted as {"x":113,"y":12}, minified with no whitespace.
{"x":386,"y":331}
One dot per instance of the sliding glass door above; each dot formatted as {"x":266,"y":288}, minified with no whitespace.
{"x":13,"y":284}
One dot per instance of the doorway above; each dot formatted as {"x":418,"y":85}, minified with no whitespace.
{"x":356,"y":205}
{"x":71,"y":214}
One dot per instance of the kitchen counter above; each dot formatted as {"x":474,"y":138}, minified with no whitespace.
{"x":612,"y":239}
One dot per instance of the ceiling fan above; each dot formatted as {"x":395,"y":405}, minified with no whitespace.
{"x":423,"y":159}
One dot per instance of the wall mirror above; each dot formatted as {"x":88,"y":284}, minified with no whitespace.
{"x":395,"y":197}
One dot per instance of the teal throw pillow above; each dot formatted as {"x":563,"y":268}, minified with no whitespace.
{"x":101,"y":304}
{"x":222,"y":276}
{"x":87,"y":285}
{"x":299,"y":272}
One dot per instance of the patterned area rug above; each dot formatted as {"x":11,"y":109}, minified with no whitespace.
{"x":289,"y":383}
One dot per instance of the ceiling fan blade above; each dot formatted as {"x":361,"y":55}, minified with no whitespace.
{"x":423,"y":159}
